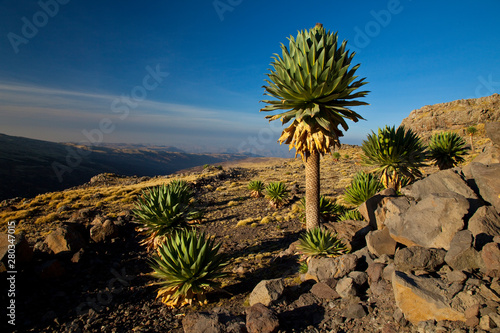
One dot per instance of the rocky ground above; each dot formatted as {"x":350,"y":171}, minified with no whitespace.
{"x":99,"y":282}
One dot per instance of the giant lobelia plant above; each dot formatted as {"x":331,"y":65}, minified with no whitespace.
{"x":447,"y":149}
{"x":162,"y":210}
{"x":314,"y":86}
{"x":398,"y":155}
{"x":187,"y":264}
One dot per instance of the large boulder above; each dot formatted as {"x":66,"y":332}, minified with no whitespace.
{"x":432,"y":222}
{"x":422,"y":299}
{"x":325,"y":269}
{"x":371,"y":209}
{"x":462,"y":256}
{"x":65,"y":239}
{"x":351,"y":232}
{"x":202,"y":322}
{"x":380,"y":242}
{"x":484,"y":225}
{"x":417,"y":258}
{"x":261,"y":319}
{"x":486,"y":180}
{"x":440,"y":182}
{"x":490,"y":255}
{"x":454,"y":115}
{"x":17,"y":247}
{"x":489,"y":155}
{"x":393,"y":211}
{"x":267,"y":291}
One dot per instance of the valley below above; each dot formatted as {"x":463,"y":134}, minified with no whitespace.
{"x":29,"y":167}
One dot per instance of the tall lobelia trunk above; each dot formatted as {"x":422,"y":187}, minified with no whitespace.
{"x":312,"y":191}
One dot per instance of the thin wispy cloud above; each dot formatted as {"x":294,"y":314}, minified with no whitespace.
{"x":45,"y":109}
{"x":15,"y":88}
{"x":53,"y":98}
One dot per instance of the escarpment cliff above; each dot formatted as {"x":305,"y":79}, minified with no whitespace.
{"x":456,"y":116}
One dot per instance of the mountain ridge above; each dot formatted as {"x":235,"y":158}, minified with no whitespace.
{"x":29,"y":167}
{"x":455,"y":116}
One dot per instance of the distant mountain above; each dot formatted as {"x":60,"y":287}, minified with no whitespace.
{"x":29,"y":167}
{"x":455,"y":116}
{"x":129,"y":146}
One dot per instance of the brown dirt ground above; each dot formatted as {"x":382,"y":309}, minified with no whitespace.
{"x":251,"y":232}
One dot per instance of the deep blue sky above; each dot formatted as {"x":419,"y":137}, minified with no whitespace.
{"x":64,"y":81}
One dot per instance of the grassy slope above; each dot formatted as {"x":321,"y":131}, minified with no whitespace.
{"x":251,"y":233}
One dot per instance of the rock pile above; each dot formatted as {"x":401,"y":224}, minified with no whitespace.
{"x":435,"y":249}
{"x":455,"y":115}
{"x":447,"y":227}
{"x":66,"y":243}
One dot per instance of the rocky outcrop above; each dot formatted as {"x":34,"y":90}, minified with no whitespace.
{"x":456,"y":115}
{"x":452,"y":217}
{"x":493,"y":132}
{"x":445,"y":229}
{"x":445,"y":181}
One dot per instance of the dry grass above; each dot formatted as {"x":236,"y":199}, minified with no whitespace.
{"x":16,"y":215}
{"x":267,"y":219}
{"x":114,"y":199}
{"x":42,"y":209}
{"x":246,"y":221}
{"x":51,"y":217}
